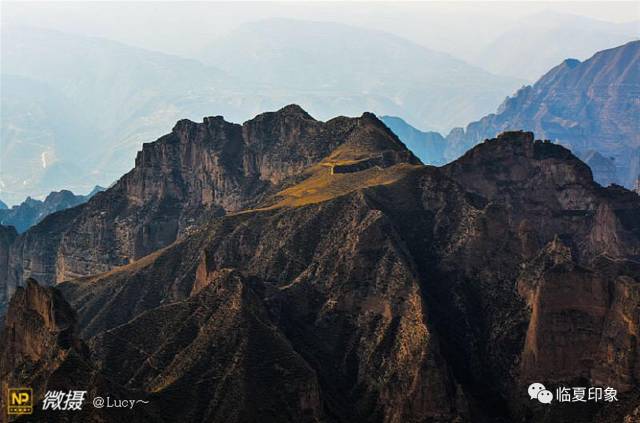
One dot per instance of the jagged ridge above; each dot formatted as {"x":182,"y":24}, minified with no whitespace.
{"x":198,"y":171}
{"x":438,"y":294}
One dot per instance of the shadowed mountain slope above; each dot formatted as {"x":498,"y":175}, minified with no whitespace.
{"x":198,"y":171}
{"x":370,"y":288}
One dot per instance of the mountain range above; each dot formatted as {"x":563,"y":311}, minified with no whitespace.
{"x":67,"y":129}
{"x":81,"y":122}
{"x":32,"y":211}
{"x":547,"y":38}
{"x":290,"y":269}
{"x":357,"y":68}
{"x":587,"y":106}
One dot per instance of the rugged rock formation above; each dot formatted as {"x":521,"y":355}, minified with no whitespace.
{"x":388,"y":293}
{"x":38,"y":334}
{"x":586,"y":106}
{"x":576,"y":247}
{"x":197,"y":171}
{"x":31,"y":211}
{"x":41,"y":350}
{"x":8,"y":235}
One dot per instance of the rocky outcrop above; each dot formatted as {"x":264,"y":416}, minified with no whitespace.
{"x":198,"y":171}
{"x":32,"y":211}
{"x":584,"y":320}
{"x":40,"y":321}
{"x":436,"y":295}
{"x":41,"y":350}
{"x":586,"y":105}
{"x":38,"y":337}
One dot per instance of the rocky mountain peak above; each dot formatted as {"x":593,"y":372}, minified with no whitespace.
{"x":197,"y":171}
{"x":504,"y":238}
{"x":31,"y":211}
{"x":59,"y":196}
{"x":516,"y":136}
{"x":42,"y":349}
{"x":508,"y":146}
{"x":513,"y":167}
{"x":294,"y":110}
{"x":571,"y":63}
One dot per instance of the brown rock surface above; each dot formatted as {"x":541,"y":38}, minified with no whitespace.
{"x":8,"y":235}
{"x":403,"y":293}
{"x":40,"y":349}
{"x":198,"y":171}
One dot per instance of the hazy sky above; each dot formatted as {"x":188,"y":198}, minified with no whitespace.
{"x":545,"y":34}
{"x":185,"y":27}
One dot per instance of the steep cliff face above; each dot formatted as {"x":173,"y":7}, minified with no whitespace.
{"x":41,"y":350}
{"x":586,"y":105}
{"x":38,"y":337}
{"x":198,"y":171}
{"x":8,"y":235}
{"x":393,"y":294}
{"x":570,"y":249}
{"x":40,"y":322}
{"x":337,"y":286}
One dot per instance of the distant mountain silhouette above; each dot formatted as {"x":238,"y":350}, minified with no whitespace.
{"x":538,"y":42}
{"x":341,"y":64}
{"x":81,"y":116}
{"x":31,"y":211}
